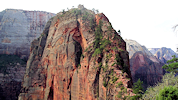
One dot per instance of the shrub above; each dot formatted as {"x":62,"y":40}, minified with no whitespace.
{"x":104,"y":83}
{"x":120,"y":84}
{"x":122,"y":88}
{"x":168,"y":93}
{"x":97,"y":52}
{"x":169,"y":79}
{"x":92,"y":23}
{"x":115,"y":79}
{"x":118,"y":59}
{"x":104,"y":43}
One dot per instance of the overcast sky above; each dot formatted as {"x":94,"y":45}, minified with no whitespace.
{"x":149,"y":22}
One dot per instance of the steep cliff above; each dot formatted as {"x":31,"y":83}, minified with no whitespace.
{"x":143,"y":64}
{"x":163,"y":54}
{"x":18,"y":28}
{"x":79,"y":56}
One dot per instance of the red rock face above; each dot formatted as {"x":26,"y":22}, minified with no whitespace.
{"x":143,"y":64}
{"x":146,"y":69}
{"x":61,"y":65}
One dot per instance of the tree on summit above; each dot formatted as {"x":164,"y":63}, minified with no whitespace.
{"x":119,"y":32}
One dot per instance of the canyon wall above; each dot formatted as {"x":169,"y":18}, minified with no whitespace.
{"x":143,"y":64}
{"x":18,"y":28}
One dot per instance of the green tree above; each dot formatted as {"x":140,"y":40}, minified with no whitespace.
{"x":98,"y":39}
{"x":172,"y":65}
{"x":98,"y":35}
{"x":169,"y":79}
{"x":63,"y":11}
{"x":138,"y":90}
{"x":97,"y":11}
{"x":168,"y":93}
{"x":119,"y":32}
{"x":92,"y":23}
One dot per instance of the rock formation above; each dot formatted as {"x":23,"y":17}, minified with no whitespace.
{"x":79,"y":56}
{"x":163,"y":54}
{"x":143,"y":64}
{"x":18,"y":28}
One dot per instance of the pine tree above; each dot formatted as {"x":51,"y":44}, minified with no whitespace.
{"x":172,"y":65}
{"x":138,"y":90}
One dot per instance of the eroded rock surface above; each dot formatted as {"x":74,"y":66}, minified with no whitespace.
{"x":18,"y":28}
{"x":143,"y":64}
{"x":66,"y":64}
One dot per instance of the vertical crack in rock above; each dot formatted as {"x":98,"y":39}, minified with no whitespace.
{"x":96,"y":82}
{"x":96,"y":85}
{"x":78,"y":47}
{"x":78,"y":53}
{"x":50,"y":96}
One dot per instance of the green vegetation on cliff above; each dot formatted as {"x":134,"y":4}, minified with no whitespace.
{"x":9,"y":60}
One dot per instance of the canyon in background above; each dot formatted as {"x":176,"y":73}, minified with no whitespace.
{"x":59,"y":52}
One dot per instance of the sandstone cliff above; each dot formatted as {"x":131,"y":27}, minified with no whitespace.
{"x":18,"y":28}
{"x":163,"y":54}
{"x":143,"y":64}
{"x":79,"y":56}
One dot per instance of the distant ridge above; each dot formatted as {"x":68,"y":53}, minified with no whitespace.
{"x":163,"y":54}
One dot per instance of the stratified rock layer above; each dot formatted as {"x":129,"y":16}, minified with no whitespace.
{"x":18,"y":28}
{"x":62,"y":66}
{"x":143,"y":64}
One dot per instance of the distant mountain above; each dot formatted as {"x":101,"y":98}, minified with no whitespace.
{"x":143,"y":64}
{"x":163,"y":54}
{"x":18,"y":28}
{"x":153,"y":50}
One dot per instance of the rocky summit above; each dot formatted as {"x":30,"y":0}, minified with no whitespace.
{"x":18,"y":28}
{"x":143,"y":64}
{"x":79,"y":56}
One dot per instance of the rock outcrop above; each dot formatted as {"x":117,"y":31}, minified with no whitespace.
{"x":163,"y":54}
{"x":79,"y":56}
{"x":143,"y":64}
{"x":18,"y":28}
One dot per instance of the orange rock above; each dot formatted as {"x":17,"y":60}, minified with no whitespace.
{"x":67,"y":70}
